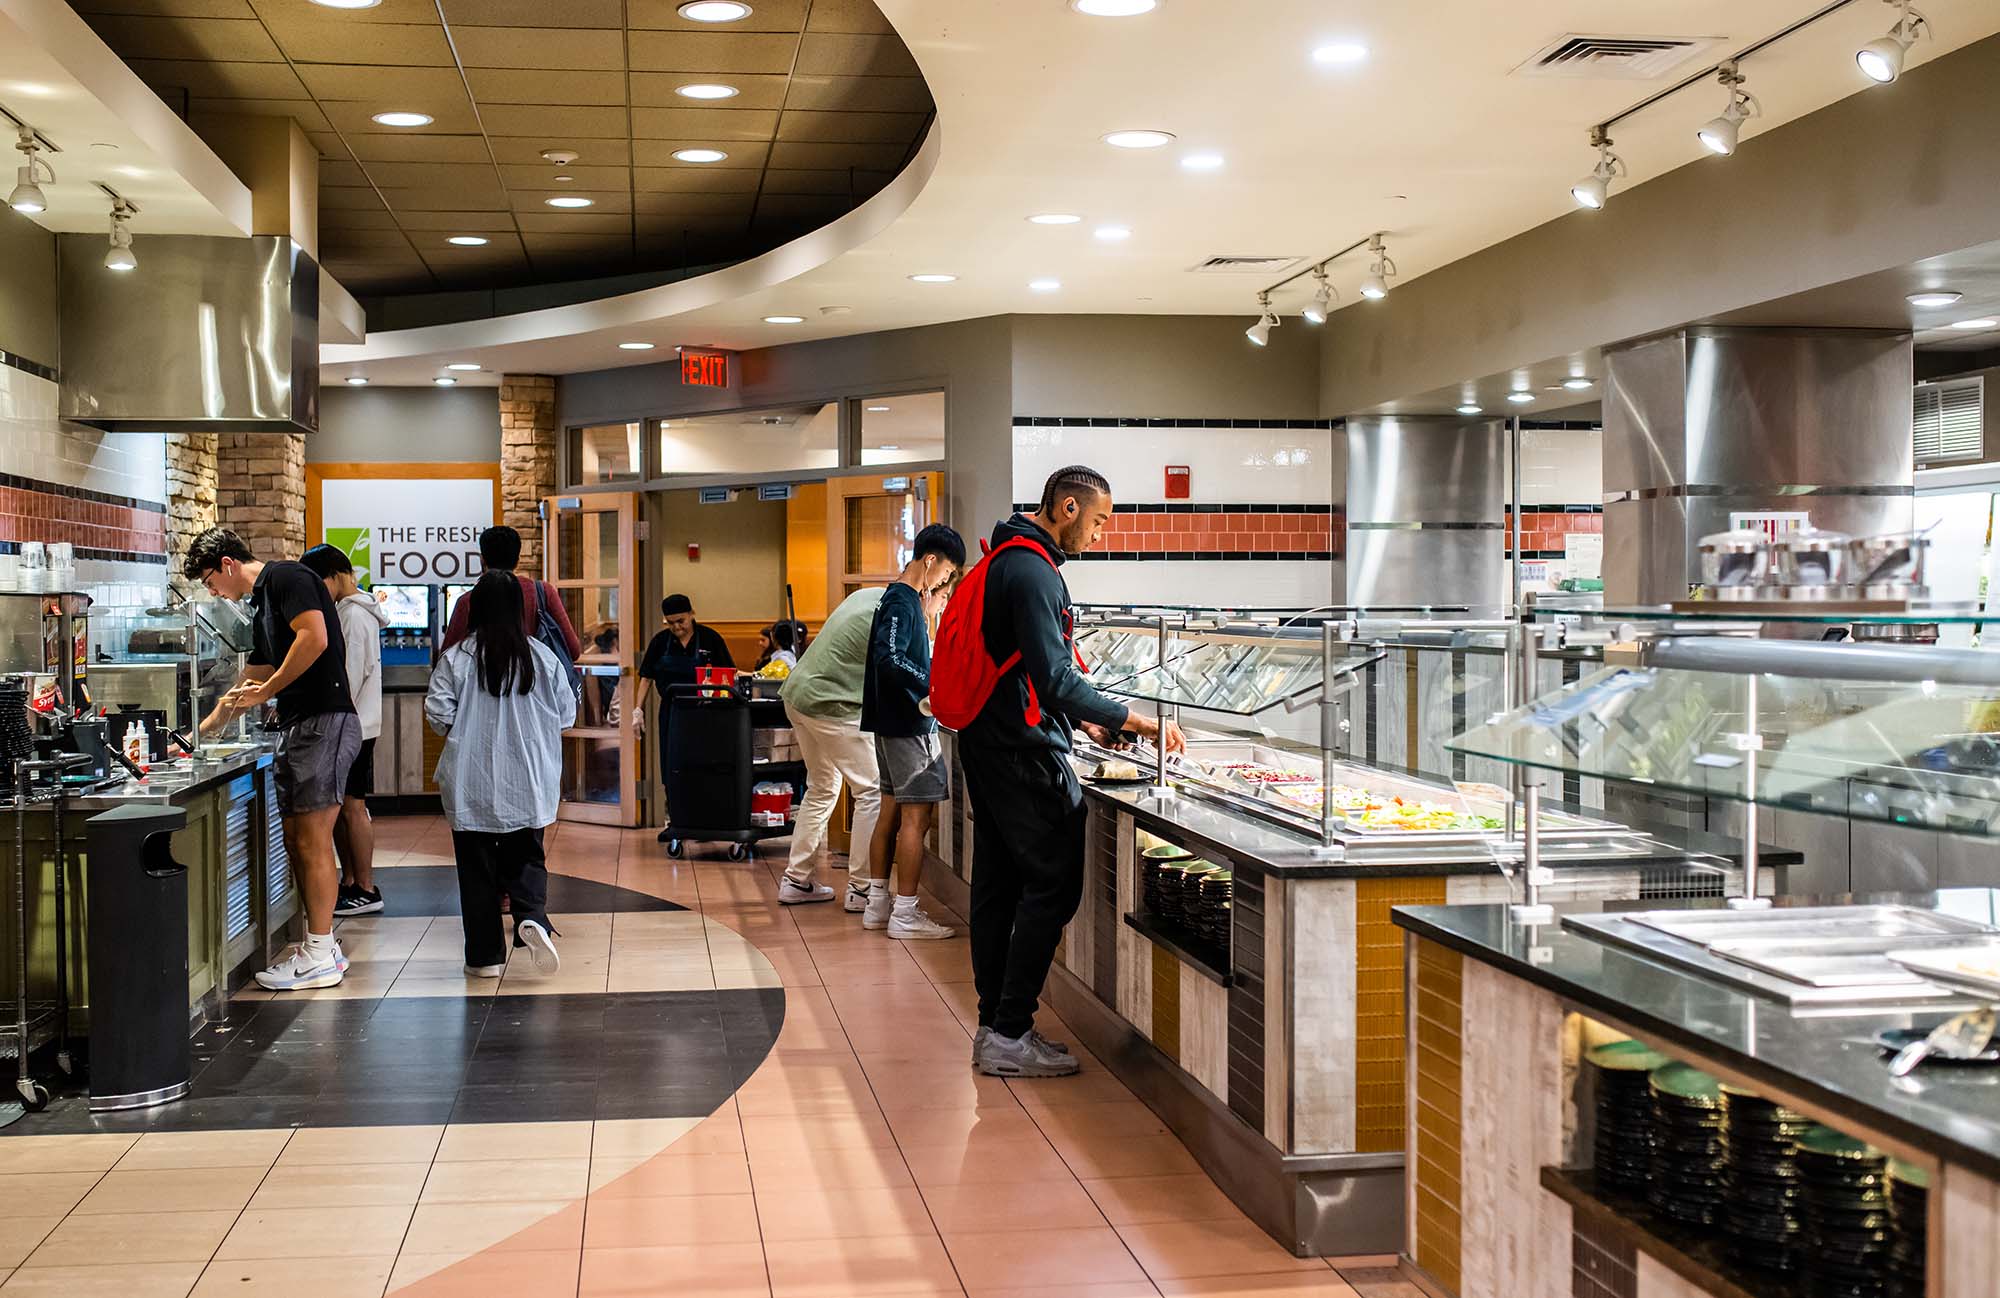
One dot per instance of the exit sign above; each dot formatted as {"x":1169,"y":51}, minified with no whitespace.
{"x":704,"y":369}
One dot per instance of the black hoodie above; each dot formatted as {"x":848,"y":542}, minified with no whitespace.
{"x":1028,"y":609}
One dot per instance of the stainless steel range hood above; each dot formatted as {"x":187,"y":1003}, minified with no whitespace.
{"x":206,"y":335}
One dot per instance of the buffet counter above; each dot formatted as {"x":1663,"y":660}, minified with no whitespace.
{"x":1518,"y":1034}
{"x":241,"y":895}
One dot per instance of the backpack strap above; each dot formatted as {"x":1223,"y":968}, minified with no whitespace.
{"x":1033,"y":713}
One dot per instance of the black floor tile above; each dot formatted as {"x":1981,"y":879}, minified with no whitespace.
{"x":531,"y":1069}
{"x":558,"y":1102}
{"x":660,"y":1102}
{"x":361,"y":1109}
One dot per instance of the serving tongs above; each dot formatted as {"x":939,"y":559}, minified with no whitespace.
{"x":1963,"y":1036}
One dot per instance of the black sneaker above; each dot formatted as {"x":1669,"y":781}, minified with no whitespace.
{"x":358,"y":901}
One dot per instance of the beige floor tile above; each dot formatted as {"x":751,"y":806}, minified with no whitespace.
{"x":1014,"y":1205}
{"x":351,"y":1185}
{"x":1025,"y":1258}
{"x":844,"y":1266}
{"x":19,"y":1236}
{"x":669,"y":1176}
{"x":164,"y":1149}
{"x":824,"y":1213}
{"x":374,"y":1231}
{"x":1284,"y":1284}
{"x":484,"y":1275}
{"x":653,"y":1223}
{"x":467,"y":1142}
{"x":121,"y":1280}
{"x":721,"y":1271}
{"x":187,"y":1189}
{"x":340,"y":1277}
{"x":46,"y":1193}
{"x":133,"y":1237}
{"x":312,"y":1146}
{"x":469,"y":1228}
{"x":645,"y":1137}
{"x":1128,"y":1289}
{"x":507,"y":1180}
{"x":19,"y":1154}
{"x":1183,"y":1250}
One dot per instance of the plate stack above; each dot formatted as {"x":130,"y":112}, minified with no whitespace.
{"x":1761,"y":1181}
{"x":1624,"y":1145}
{"x":1206,"y":900}
{"x":1846,"y":1201}
{"x":1909,"y":1224}
{"x":1687,"y":1166}
{"x":1152,"y":861}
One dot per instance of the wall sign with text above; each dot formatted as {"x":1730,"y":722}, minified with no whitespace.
{"x":408,"y":530}
{"x":704,"y":369}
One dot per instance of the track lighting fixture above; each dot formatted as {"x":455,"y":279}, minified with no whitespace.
{"x":120,"y":256}
{"x":1594,"y":189}
{"x":1321,"y":305}
{"x":27,"y":197}
{"x":1882,"y":58}
{"x":1376,"y":286}
{"x":1719,"y":136}
{"x":1260,"y":333}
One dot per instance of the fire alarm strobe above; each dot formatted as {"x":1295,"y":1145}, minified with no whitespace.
{"x":1178,"y":479}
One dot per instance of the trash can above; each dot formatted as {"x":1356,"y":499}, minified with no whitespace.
{"x":138,"y":955}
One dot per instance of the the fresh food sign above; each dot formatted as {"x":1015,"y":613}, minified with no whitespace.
{"x":415,"y":530}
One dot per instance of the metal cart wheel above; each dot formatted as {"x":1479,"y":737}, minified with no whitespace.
{"x":34,"y":1095}
{"x":674,"y":848}
{"x":739,"y":851}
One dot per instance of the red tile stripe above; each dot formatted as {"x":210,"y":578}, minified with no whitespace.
{"x":1545,"y":530}
{"x":30,"y":515}
{"x":1282,"y":534}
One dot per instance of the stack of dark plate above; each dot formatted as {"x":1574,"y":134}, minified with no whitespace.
{"x":1909,"y":1224}
{"x":1846,"y":1215}
{"x":1686,"y":1181}
{"x":1150,"y":863}
{"x":1205,"y":899}
{"x":1624,"y":1145}
{"x":1761,"y":1182}
{"x":1177,"y":880}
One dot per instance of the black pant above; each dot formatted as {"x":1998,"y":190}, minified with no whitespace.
{"x":1027,"y":875}
{"x":487,"y":865}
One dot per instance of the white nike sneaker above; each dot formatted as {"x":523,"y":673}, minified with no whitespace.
{"x":857,"y":899}
{"x":541,"y":948}
{"x":298,"y":972}
{"x":914,"y":925}
{"x":795,"y":894}
{"x":485,"y":970}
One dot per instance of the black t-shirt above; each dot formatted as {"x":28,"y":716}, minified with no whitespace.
{"x":669,"y":662}
{"x":898,"y":678}
{"x":283,"y":591}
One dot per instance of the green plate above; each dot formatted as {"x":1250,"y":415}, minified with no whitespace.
{"x":1167,"y":852}
{"x":1829,"y":1143}
{"x":1626,"y":1057}
{"x":1909,"y":1174}
{"x":1686,"y":1082}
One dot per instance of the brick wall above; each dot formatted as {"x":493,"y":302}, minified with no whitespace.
{"x":527,"y":458}
{"x":191,"y":474}
{"x":261,"y":491}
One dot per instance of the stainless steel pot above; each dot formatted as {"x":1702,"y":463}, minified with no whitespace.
{"x":1888,"y":566}
{"x":1809,"y":561}
{"x":1733,"y":564}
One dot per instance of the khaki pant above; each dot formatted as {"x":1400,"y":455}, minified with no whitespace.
{"x":835,"y":752}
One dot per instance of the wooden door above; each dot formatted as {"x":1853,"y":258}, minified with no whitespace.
{"x":871,"y":525}
{"x":591,"y":557}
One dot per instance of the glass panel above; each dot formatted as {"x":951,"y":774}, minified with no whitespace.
{"x":1924,"y":754}
{"x":880,"y":532}
{"x":605,"y":697}
{"x":587,"y":545}
{"x":751,"y":441}
{"x":1835,"y":612}
{"x":591,"y":769}
{"x":604,"y":453}
{"x":1225,"y":675}
{"x":902,"y":430}
{"x":590,"y":606}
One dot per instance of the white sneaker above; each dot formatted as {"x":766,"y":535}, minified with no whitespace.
{"x":298,"y":972}
{"x":875,"y":915}
{"x":915,"y":925}
{"x":794,"y":894}
{"x":485,"y":970}
{"x":857,"y":899}
{"x":541,"y":948}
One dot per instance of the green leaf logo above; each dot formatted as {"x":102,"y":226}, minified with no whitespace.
{"x":355,"y":543}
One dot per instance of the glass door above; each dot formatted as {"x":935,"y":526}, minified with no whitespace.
{"x":872,"y":525}
{"x":592,"y":559}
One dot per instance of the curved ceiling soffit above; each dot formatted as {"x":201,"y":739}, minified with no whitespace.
{"x":806,"y":253}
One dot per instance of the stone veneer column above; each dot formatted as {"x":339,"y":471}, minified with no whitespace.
{"x":191,"y":471}
{"x":527,"y":458}
{"x":261,"y":491}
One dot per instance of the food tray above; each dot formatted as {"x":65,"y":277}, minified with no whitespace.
{"x":1947,"y":966}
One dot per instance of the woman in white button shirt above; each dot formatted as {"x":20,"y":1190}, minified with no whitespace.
{"x":501,"y":700}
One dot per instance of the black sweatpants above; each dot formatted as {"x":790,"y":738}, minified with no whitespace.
{"x":489,"y":864}
{"x":1027,"y":875}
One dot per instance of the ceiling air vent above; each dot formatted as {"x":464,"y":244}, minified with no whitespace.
{"x":1948,"y":421}
{"x":1630,"y":58}
{"x":1244,"y":265}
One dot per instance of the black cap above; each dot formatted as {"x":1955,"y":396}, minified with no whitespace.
{"x":673,"y":604}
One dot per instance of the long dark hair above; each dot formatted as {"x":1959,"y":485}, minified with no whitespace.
{"x":499,"y":645}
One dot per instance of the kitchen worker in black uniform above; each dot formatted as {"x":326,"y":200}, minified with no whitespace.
{"x":672,"y":657}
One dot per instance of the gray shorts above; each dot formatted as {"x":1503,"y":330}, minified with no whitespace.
{"x":313,"y":756}
{"x":913,"y":768}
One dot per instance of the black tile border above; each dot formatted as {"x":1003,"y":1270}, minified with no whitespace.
{"x":1127,"y":421}
{"x":21,"y":483}
{"x":101,"y":556}
{"x":1206,"y":556}
{"x":17,"y":362}
{"x":1205,"y":507}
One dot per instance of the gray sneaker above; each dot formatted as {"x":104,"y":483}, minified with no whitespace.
{"x":979,"y":1043}
{"x":1024,"y":1056}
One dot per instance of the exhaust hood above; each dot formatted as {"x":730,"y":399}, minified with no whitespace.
{"x":206,"y":335}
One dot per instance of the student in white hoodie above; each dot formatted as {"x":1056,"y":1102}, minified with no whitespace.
{"x":361,"y":621}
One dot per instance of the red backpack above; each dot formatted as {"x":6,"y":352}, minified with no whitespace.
{"x":963,"y":673}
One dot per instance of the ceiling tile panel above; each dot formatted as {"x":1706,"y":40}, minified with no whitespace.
{"x":860,"y":94}
{"x":712,"y":124}
{"x":765,"y":16}
{"x":329,"y":143}
{"x":696,"y":180}
{"x":654,"y":208}
{"x":307,"y":38}
{"x":434,"y":227}
{"x":301,"y":111}
{"x":713,"y":53}
{"x":850,"y":128}
{"x":533,"y":13}
{"x":540,"y":47}
{"x":393,"y":13}
{"x":219,"y":80}
{"x":870,"y":157}
{"x":604,"y":202}
{"x":432,"y":175}
{"x":406,"y":146}
{"x":167,"y":8}
{"x":827,"y":54}
{"x":568,"y":123}
{"x":793,"y":181}
{"x":660,"y":153}
{"x":446,"y":199}
{"x":353,"y":117}
{"x":521,"y":175}
{"x":527,"y":149}
{"x":848,"y":16}
{"x":758,"y":90}
{"x":548,"y":222}
{"x":410,"y":86}
{"x":213,"y":39}
{"x":333,"y":198}
{"x":379,"y":219}
{"x":525,"y":86}
{"x":332,"y":172}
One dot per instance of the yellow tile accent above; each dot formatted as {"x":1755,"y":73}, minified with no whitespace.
{"x":1378,"y":1008}
{"x":1167,"y":1002}
{"x":1436,"y":1169}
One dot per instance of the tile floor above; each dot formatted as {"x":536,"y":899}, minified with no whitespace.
{"x":860,"y":1156}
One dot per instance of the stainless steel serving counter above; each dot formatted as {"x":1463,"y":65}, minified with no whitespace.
{"x":176,"y":783}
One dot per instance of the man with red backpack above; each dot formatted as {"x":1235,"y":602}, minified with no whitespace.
{"x":1014,"y":691}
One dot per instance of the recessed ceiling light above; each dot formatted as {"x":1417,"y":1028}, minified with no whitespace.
{"x":784,"y":319}
{"x":565,"y":179}
{"x":1933,"y":298}
{"x":347,"y":4}
{"x":699,"y":155}
{"x":714,"y":11}
{"x":1112,"y":233}
{"x":1341,"y":52}
{"x":635,"y":347}
{"x":461,"y":365}
{"x":356,"y":381}
{"x":934,"y":279}
{"x":1202,"y":162}
{"x":836,"y":310}
{"x":404,"y":119}
{"x":1983,"y":322}
{"x":1138,"y":139}
{"x":1578,"y":384}
{"x":1045,"y":285}
{"x":1468,"y":409}
{"x":1055,"y":218}
{"x":468,"y":240}
{"x":706,"y":90}
{"x":890,"y":446}
{"x":1520,"y":398}
{"x":569,"y":200}
{"x":1114,"y":8}
{"x":445,"y":381}
{"x":878,"y":410}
